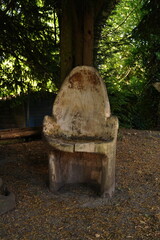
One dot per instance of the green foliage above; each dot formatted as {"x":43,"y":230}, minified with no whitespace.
{"x":115,"y":62}
{"x":147,"y":33}
{"x":29,"y":43}
{"x":29,"y":46}
{"x":121,"y":62}
{"x":127,"y":53}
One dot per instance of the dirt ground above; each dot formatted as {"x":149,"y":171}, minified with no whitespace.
{"x":77,"y":212}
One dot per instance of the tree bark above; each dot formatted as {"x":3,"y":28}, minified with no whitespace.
{"x":88,"y":37}
{"x":66,"y":50}
{"x":77,"y":36}
{"x":77,"y":32}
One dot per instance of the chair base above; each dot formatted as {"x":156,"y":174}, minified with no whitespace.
{"x":81,"y":167}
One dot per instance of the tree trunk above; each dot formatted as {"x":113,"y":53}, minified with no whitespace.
{"x":66,"y":48}
{"x":77,"y":31}
{"x":77,"y":36}
{"x":88,"y":37}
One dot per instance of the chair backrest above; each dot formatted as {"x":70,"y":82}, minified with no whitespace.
{"x":82,"y":106}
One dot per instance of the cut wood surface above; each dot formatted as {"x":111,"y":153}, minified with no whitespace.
{"x":19,"y":132}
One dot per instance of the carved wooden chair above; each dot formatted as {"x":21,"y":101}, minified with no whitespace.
{"x":82,"y":133}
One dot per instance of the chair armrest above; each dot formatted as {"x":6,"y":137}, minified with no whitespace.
{"x":112,"y":125}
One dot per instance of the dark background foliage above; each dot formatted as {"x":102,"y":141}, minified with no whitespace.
{"x":126,"y":52}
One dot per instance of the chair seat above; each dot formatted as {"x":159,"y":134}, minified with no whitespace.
{"x":61,"y":140}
